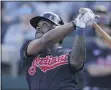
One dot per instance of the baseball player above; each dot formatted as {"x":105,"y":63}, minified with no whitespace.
{"x":48,"y":65}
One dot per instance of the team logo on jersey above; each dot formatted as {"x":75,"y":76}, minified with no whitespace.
{"x":47,"y":63}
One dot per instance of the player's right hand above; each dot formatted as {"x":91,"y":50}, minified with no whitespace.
{"x":85,"y":17}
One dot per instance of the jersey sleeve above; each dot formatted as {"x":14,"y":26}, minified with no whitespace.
{"x":25,"y":59}
{"x":23,"y":51}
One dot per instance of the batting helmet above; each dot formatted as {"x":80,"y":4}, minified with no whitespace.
{"x":49,"y":16}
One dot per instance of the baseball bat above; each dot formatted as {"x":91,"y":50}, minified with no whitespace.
{"x":103,"y":34}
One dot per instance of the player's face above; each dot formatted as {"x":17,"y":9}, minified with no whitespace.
{"x":42,"y":28}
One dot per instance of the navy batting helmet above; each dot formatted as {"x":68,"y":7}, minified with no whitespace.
{"x":49,"y":16}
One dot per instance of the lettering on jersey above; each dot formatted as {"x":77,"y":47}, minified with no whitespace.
{"x":47,"y":63}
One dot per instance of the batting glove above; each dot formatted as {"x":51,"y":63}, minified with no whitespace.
{"x":86,"y":17}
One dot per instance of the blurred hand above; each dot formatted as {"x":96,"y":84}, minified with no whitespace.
{"x":85,"y":17}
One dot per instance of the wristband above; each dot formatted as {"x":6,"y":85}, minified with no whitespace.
{"x":79,"y":31}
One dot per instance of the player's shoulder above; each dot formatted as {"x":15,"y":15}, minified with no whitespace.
{"x":25,"y":45}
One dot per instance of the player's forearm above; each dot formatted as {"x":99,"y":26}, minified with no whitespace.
{"x":49,"y":38}
{"x":78,"y":52}
{"x":58,"y":33}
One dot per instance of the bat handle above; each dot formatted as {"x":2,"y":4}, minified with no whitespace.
{"x":103,"y":34}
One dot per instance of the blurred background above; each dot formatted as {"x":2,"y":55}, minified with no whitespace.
{"x":16,"y":29}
